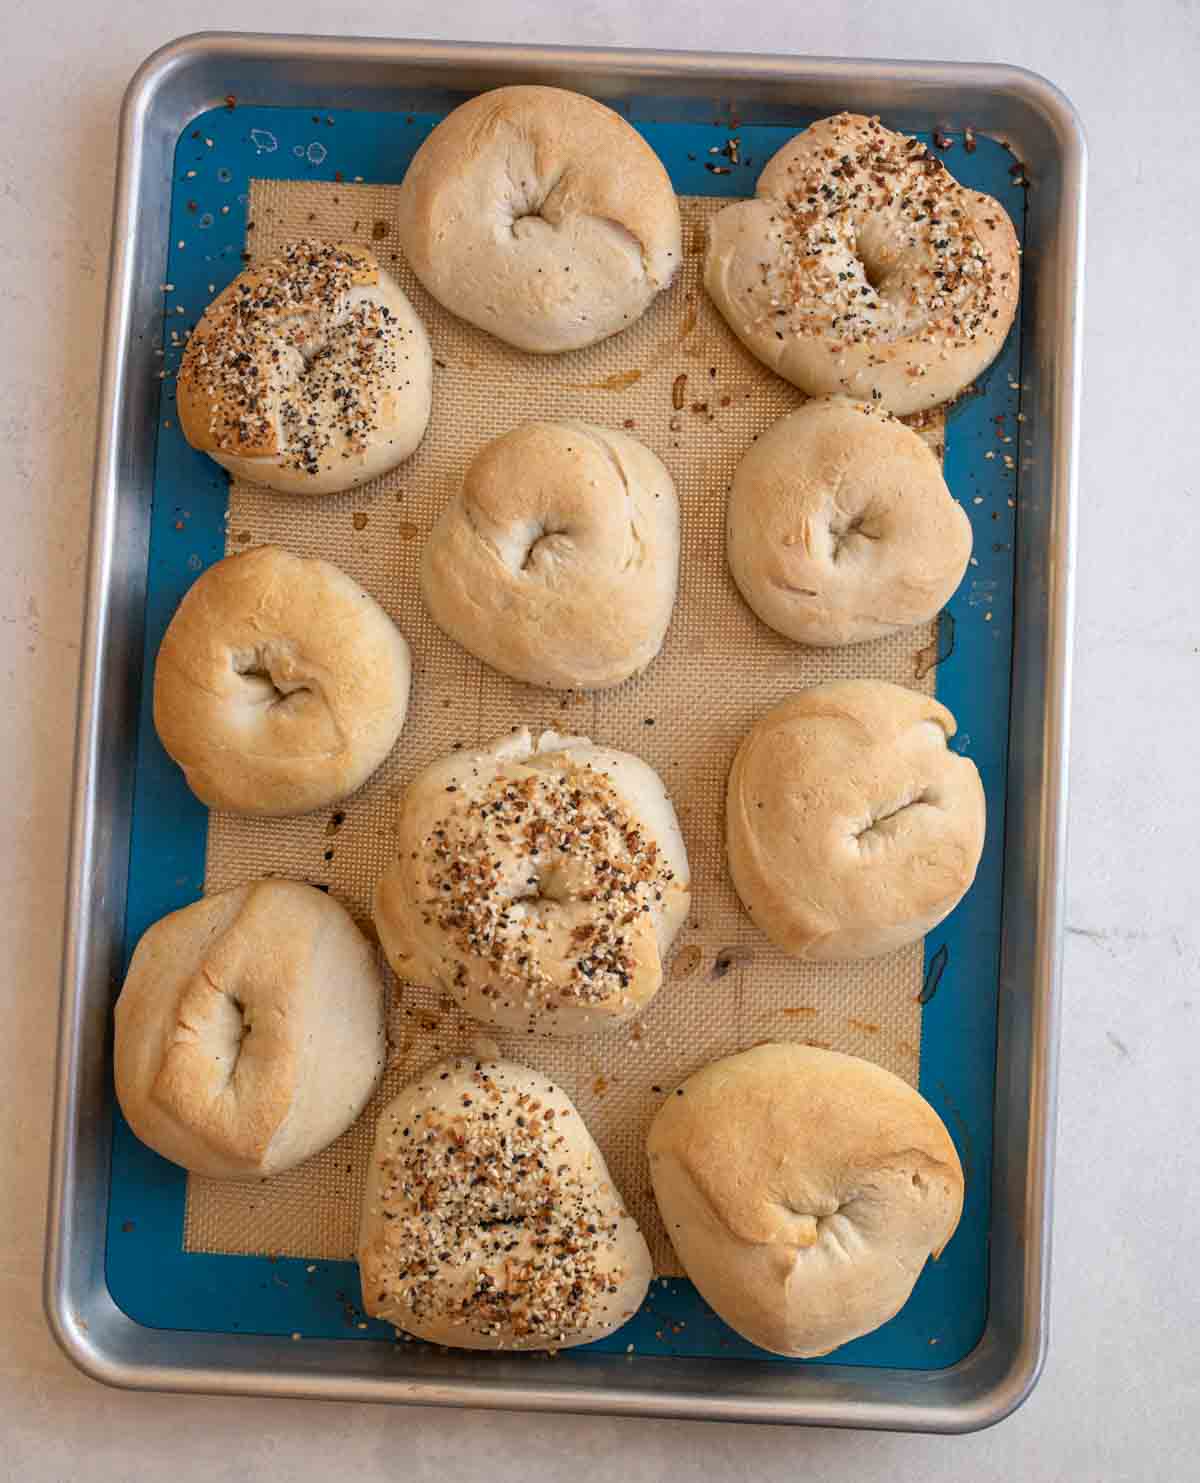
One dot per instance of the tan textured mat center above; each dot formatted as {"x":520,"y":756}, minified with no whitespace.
{"x":719,"y":670}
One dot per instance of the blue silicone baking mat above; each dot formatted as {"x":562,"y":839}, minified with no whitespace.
{"x":150,"y":1274}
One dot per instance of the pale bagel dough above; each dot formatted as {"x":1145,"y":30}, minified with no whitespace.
{"x":803,"y":1191}
{"x":540,"y":884}
{"x":310,"y":374}
{"x":851,"y":828}
{"x":541,"y":216}
{"x":558,"y":560}
{"x":840,"y":526}
{"x":862,"y":268}
{"x":250,"y":1030}
{"x":280,"y":685}
{"x":490,"y":1220}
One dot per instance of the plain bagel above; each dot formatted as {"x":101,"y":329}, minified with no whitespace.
{"x":541,"y":216}
{"x":490,"y":1220}
{"x":851,"y":828}
{"x":310,"y":373}
{"x":540,"y":884}
{"x":841,"y":528}
{"x":249,"y":1031}
{"x":862,"y":268}
{"x":803,"y":1191}
{"x":280,"y":684}
{"x":557,"y":561}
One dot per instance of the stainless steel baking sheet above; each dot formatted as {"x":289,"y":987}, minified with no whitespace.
{"x":198,"y":73}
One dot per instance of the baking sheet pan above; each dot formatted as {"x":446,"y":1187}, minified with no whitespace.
{"x":691,"y":94}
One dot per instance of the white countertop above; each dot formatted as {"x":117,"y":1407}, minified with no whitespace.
{"x":1120,"y":1398}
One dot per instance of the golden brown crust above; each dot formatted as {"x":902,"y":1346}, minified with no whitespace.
{"x":280,"y":685}
{"x":264,"y":995}
{"x":803,"y":1191}
{"x":862,"y":268}
{"x":249,"y":1031}
{"x":601,"y":233}
{"x":557,"y":562}
{"x":851,"y":828}
{"x":841,"y":527}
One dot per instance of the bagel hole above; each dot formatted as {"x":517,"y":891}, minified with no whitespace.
{"x":887,"y":812}
{"x":874,"y":273}
{"x":253,"y":669}
{"x":551,"y":886}
{"x":229,"y":1031}
{"x":544,"y":535}
{"x":246,"y":1026}
{"x":824,"y":1209}
{"x":311,"y":344}
{"x":842,"y":533}
{"x":546,"y":885}
{"x":534,"y":213}
{"x":528,"y":200}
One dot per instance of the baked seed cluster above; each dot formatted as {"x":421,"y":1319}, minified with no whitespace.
{"x":879,"y":198}
{"x":510,"y":865}
{"x":487,"y":1223}
{"x":290,"y":362}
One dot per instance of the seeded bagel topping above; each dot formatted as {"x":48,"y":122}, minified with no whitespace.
{"x":880,"y":243}
{"x":545,"y":880}
{"x":489,"y":1223}
{"x":291,"y":360}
